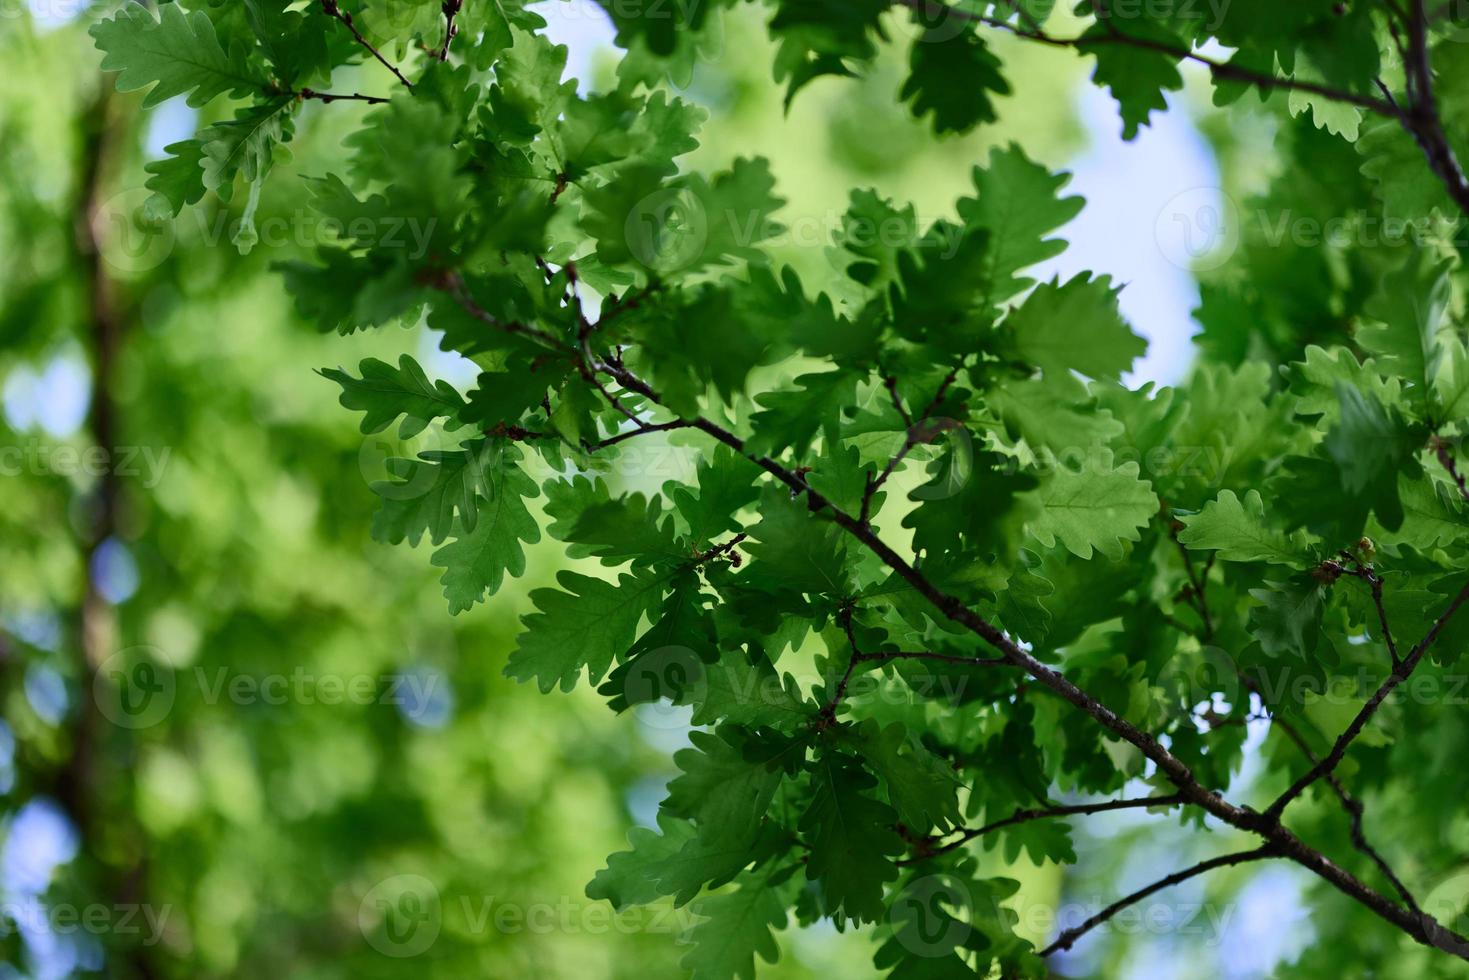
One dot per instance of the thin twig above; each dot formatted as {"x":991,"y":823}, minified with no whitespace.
{"x":827,"y":715}
{"x":1221,"y":70}
{"x":1421,"y":928}
{"x":330,"y":8}
{"x":1422,"y":119}
{"x":1400,"y":673}
{"x":938,"y":846}
{"x":720,"y":550}
{"x":451,"y":29}
{"x":917,"y":432}
{"x":1442,"y":448}
{"x":1353,"y":808}
{"x":642,"y":430}
{"x":330,"y":97}
{"x":1068,"y":938}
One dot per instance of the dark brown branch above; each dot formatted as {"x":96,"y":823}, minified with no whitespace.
{"x":1197,"y":597}
{"x":451,"y":29}
{"x":1444,"y":451}
{"x":1421,"y":928}
{"x":937,"y":846}
{"x":918,"y":431}
{"x":330,"y":97}
{"x":330,"y":8}
{"x":721,"y":550}
{"x":1400,"y":672}
{"x":1422,"y":119}
{"x":1366,"y":573}
{"x":1222,"y":71}
{"x":642,"y":430}
{"x":1353,"y":808}
{"x":1068,"y":938}
{"x":1351,"y":805}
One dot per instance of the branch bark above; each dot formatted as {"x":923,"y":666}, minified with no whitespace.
{"x":330,"y":8}
{"x":1400,"y":672}
{"x":1068,"y":938}
{"x":1025,"y":816}
{"x":1219,"y":69}
{"x":1279,"y":839}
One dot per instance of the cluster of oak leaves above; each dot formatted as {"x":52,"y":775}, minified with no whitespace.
{"x":1163,"y":547}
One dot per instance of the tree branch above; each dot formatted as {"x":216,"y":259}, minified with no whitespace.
{"x":1422,"y":118}
{"x":330,"y":8}
{"x":451,"y":29}
{"x":1279,"y":839}
{"x":937,"y":846}
{"x":1220,"y":70}
{"x":1400,"y":673}
{"x":642,"y":430}
{"x":720,"y":550}
{"x":1422,"y":928}
{"x":918,"y":431}
{"x":1068,"y":938}
{"x":1442,"y":449}
{"x":330,"y":97}
{"x":1353,"y":808}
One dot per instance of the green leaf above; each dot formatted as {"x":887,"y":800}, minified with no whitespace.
{"x":1097,"y":507}
{"x":738,"y":928}
{"x":981,"y":504}
{"x":851,"y":839}
{"x":1017,"y":207}
{"x":1239,"y":532}
{"x":176,"y":52}
{"x":631,"y":876}
{"x":936,"y":59}
{"x":790,"y":418}
{"x":476,"y":562}
{"x":587,"y":623}
{"x":792,"y":551}
{"x":615,"y":529}
{"x":1075,"y":327}
{"x":1434,"y":513}
{"x":1138,"y":76}
{"x":1370,"y":446}
{"x":943,"y":284}
{"x":177,"y":179}
{"x":921,"y":786}
{"x":726,"y":483}
{"x":725,"y":787}
{"x":1287,"y":623}
{"x":742,"y":691}
{"x":383,"y":393}
{"x":430,"y":490}
{"x":822,"y":37}
{"x":1409,"y":307}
